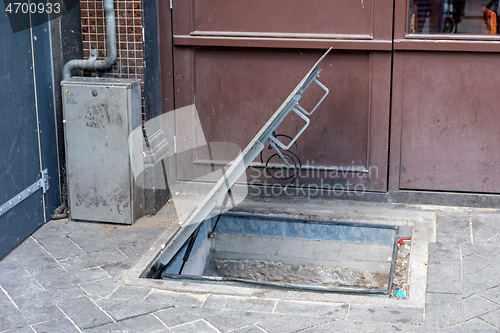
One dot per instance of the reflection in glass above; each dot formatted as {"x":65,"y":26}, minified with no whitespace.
{"x":474,"y":17}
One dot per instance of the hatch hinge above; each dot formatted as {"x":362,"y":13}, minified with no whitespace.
{"x":42,"y":183}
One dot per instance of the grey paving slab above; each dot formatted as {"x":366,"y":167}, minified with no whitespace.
{"x":466,"y":250}
{"x":61,"y":247}
{"x":71,"y":228}
{"x":150,"y":234}
{"x":175,"y":299}
{"x":26,"y":329}
{"x":131,"y":293}
{"x":371,"y":327}
{"x":385,"y":314}
{"x":62,"y":325}
{"x":480,"y":281}
{"x":472,"y":326}
{"x":474,"y":306}
{"x":443,"y":309}
{"x":176,"y":316}
{"x":416,"y":328}
{"x":84,"y":313}
{"x":453,"y":227}
{"x":231,"y":320}
{"x":6,"y":305}
{"x":101,"y":288}
{"x":129,"y":241}
{"x":444,"y":252}
{"x":106,"y":302}
{"x":444,"y":278}
{"x":492,"y":254}
{"x":95,"y":239}
{"x":334,"y":326}
{"x":492,"y":294}
{"x":146,"y":324}
{"x":250,"y":329}
{"x":72,"y":278}
{"x":16,"y":280}
{"x":492,"y":318}
{"x":126,"y":234}
{"x":292,"y":323}
{"x":118,"y":269}
{"x":131,"y":309}
{"x":199,"y":326}
{"x":475,"y":263}
{"x":28,"y":246}
{"x":50,"y":229}
{"x":135,"y":248}
{"x":93,"y":260}
{"x":24,"y":318}
{"x":487,"y":250}
{"x":492,"y":271}
{"x":41,"y":264}
{"x":239,"y":303}
{"x":52,"y":296}
{"x":486,"y":228}
{"x":479,"y":326}
{"x":315,"y":309}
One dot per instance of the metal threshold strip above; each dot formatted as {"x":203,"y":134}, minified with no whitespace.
{"x":241,"y":163}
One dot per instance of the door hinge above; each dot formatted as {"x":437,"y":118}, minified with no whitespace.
{"x":42,"y":183}
{"x":175,"y":144}
{"x":170,"y":4}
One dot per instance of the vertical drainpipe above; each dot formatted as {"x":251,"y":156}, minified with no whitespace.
{"x":92,"y":64}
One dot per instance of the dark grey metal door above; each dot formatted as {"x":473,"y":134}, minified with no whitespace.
{"x":27,"y":131}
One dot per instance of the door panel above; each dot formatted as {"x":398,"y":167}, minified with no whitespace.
{"x":247,"y":87}
{"x":449,"y":122}
{"x":27,"y":130}
{"x":282,"y":17}
{"x":238,"y":71}
{"x":444,"y":103}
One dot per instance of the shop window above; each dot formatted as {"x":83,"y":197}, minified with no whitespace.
{"x":472,"y":17}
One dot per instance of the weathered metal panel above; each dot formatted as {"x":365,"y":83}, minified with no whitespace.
{"x":99,"y":116}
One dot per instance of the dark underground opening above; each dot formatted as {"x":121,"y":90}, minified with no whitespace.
{"x":287,"y":253}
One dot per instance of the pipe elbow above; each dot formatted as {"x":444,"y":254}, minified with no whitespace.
{"x":92,"y":64}
{"x":68,"y":69}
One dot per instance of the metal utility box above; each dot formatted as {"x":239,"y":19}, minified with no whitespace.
{"x":99,"y":115}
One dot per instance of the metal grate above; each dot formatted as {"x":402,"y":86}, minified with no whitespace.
{"x":129,"y":63}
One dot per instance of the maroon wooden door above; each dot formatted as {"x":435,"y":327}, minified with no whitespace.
{"x":445,"y":118}
{"x":238,"y":60}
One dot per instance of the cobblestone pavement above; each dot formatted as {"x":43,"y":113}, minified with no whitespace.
{"x":70,"y":277}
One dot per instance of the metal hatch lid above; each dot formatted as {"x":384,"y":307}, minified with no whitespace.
{"x":243,"y":160}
